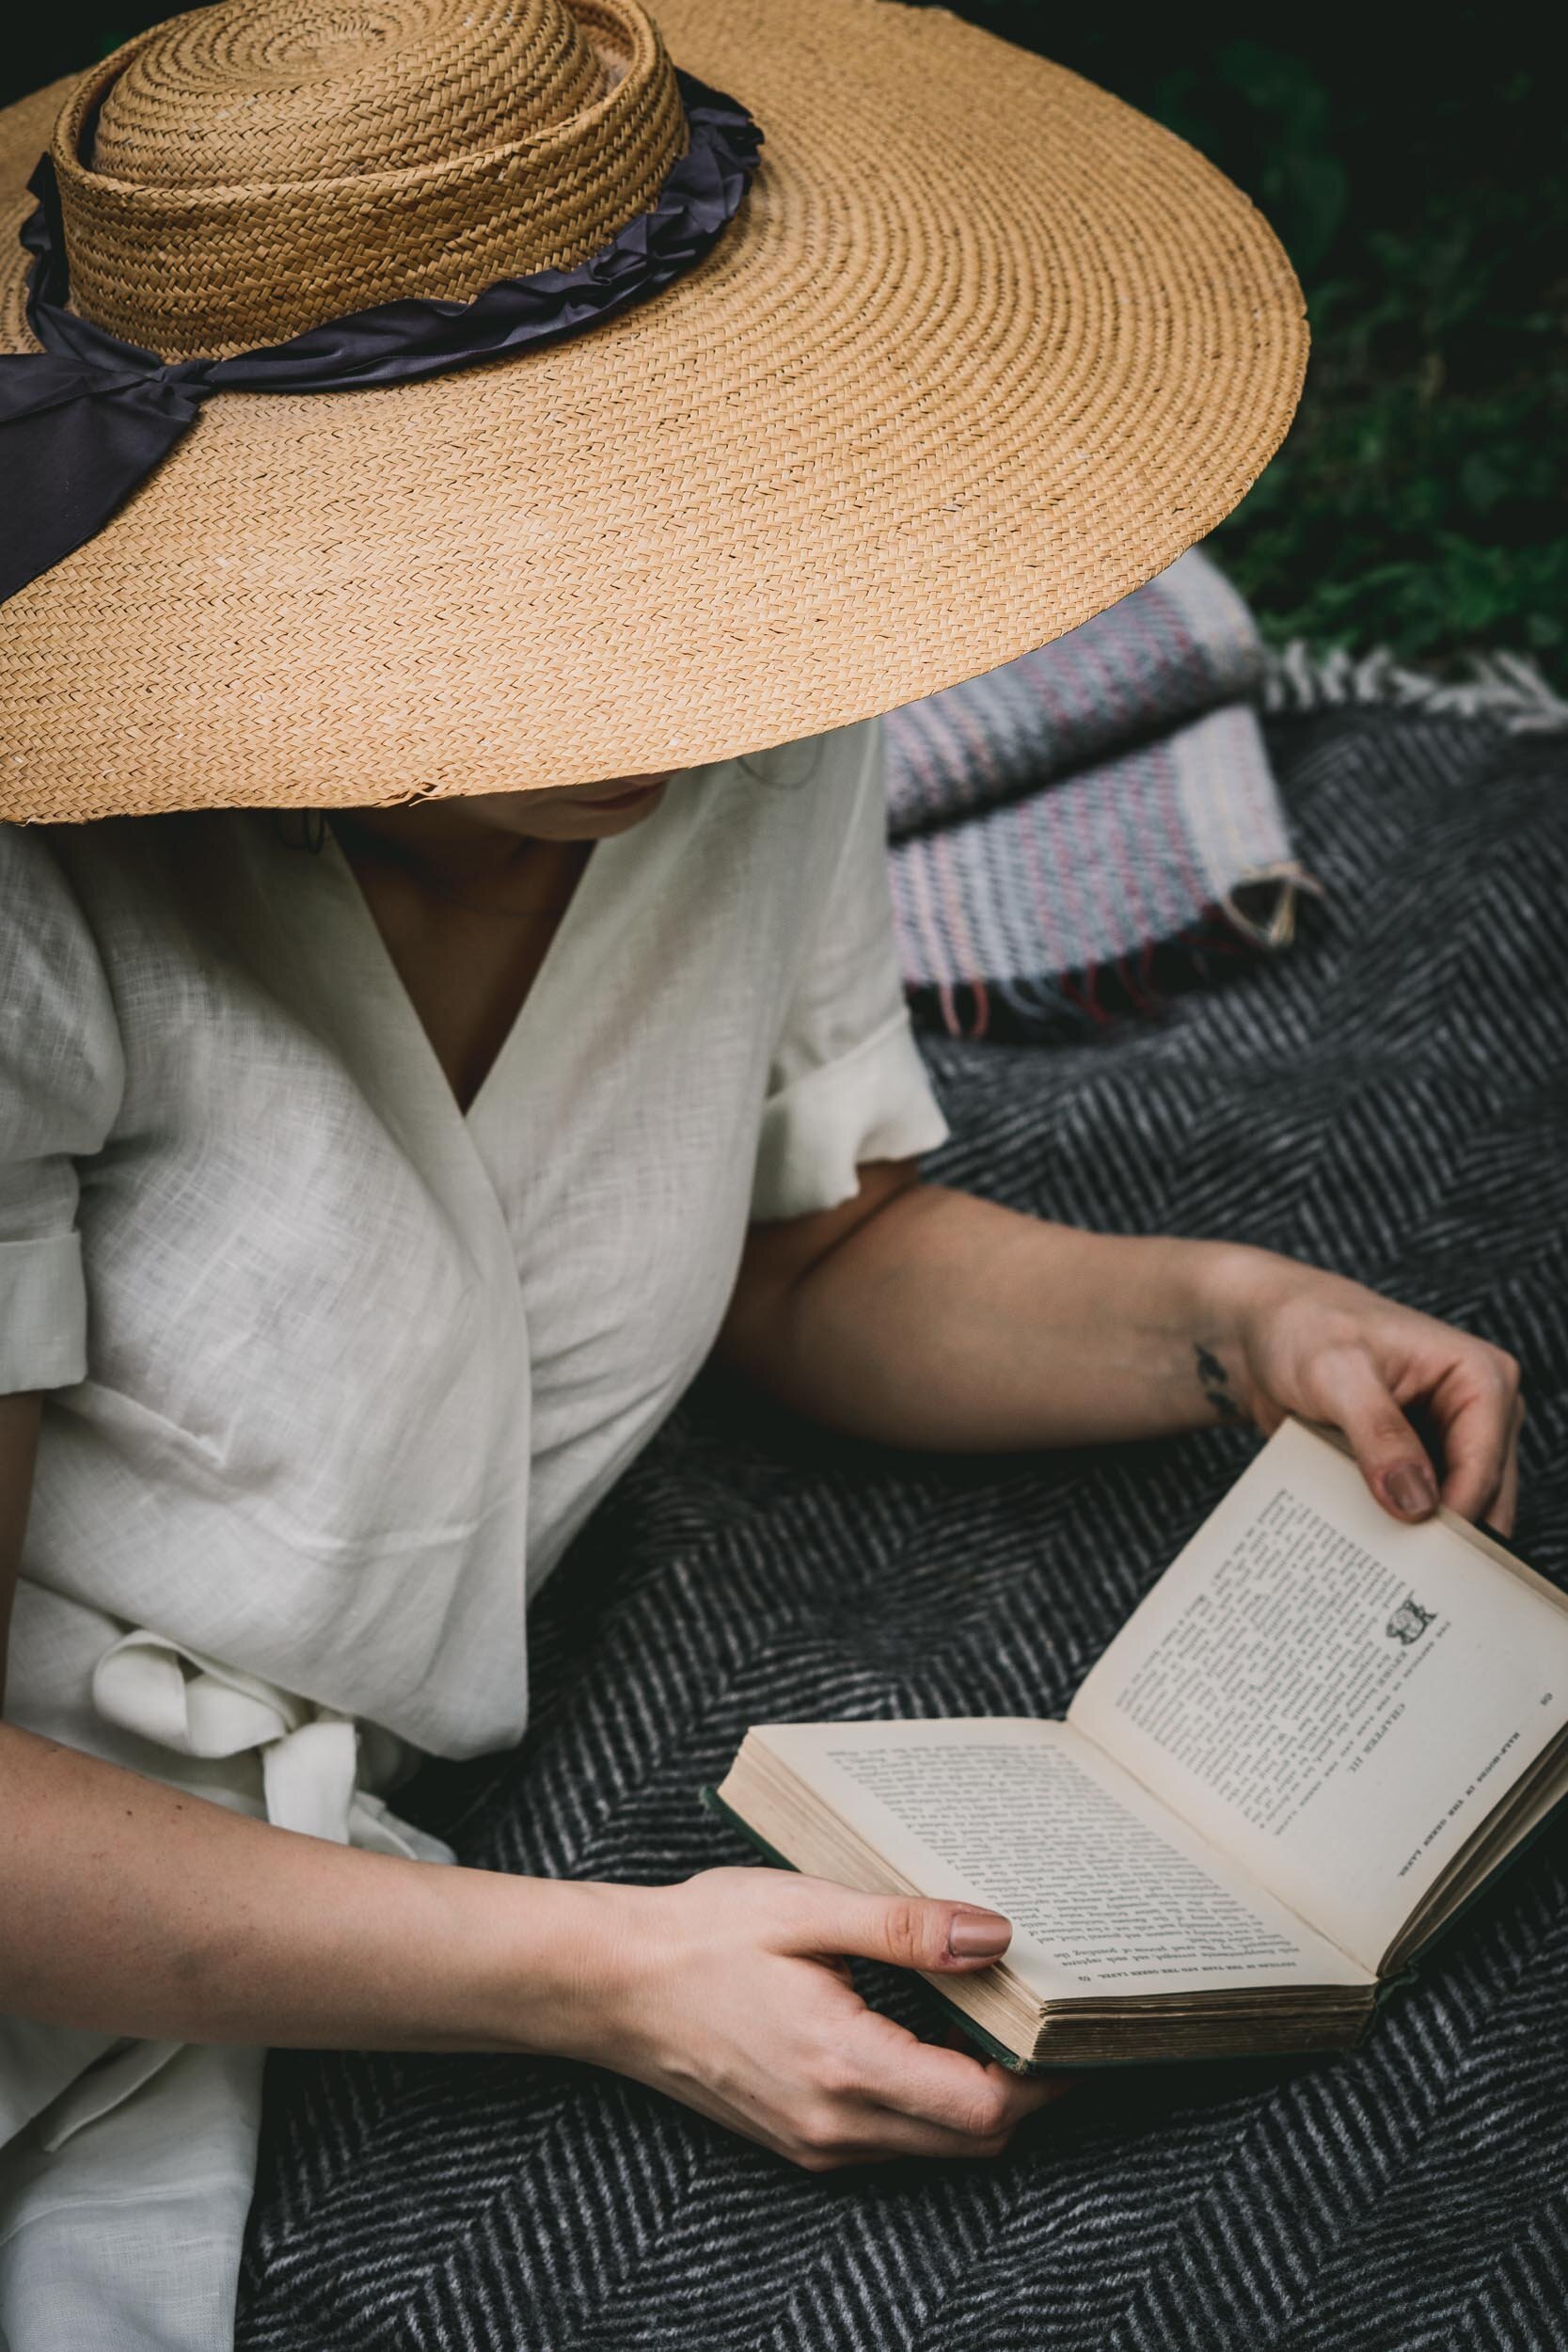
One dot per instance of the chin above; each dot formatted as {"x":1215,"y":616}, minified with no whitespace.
{"x":579,"y":821}
{"x":549,"y":815}
{"x":592,"y":823}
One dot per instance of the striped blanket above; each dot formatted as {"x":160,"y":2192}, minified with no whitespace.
{"x":1085,"y":830}
{"x":1391,"y":1099}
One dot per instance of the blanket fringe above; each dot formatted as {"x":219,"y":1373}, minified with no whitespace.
{"x":1507,"y":688}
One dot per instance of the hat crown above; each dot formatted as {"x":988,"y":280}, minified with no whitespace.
{"x":249,"y":170}
{"x":266,"y":92}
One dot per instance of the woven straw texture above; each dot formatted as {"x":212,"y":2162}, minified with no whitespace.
{"x":331,"y":173}
{"x":983,"y":351}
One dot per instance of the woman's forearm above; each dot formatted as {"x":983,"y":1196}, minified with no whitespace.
{"x":132,"y":1907}
{"x":128,"y":1907}
{"x":942,"y":1320}
{"x":921,"y":1317}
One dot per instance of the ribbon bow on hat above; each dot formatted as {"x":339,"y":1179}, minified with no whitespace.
{"x":86,"y":420}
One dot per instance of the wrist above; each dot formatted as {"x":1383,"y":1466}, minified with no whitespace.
{"x":547,"y":1966}
{"x":1232,"y":1287}
{"x":1233,"y":1284}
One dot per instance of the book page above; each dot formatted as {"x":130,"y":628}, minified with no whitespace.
{"x":1107,"y":1893}
{"x":1335,"y":1699}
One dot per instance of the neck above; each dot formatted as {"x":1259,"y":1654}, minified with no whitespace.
{"x":480,"y":868}
{"x":439,"y":843}
{"x":483,"y":870}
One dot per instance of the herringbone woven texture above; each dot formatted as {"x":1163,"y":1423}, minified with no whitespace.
{"x":1392,"y":1101}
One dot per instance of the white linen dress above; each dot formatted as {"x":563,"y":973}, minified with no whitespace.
{"x":336,"y":1371}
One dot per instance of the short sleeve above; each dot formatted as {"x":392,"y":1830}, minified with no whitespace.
{"x":61,"y":1080}
{"x":847,"y":1083}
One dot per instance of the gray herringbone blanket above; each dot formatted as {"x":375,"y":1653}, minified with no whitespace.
{"x":1391,"y":1099}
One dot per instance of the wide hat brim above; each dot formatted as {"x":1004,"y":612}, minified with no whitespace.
{"x":984,"y":350}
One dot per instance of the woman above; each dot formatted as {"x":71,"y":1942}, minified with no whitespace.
{"x":448,"y":1027}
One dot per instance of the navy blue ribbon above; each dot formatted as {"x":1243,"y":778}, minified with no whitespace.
{"x":86,"y":420}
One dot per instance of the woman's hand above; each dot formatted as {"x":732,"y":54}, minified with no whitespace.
{"x":1289,"y":1338}
{"x":732,"y":1993}
{"x":919,"y":1316}
{"x":199,"y":1924}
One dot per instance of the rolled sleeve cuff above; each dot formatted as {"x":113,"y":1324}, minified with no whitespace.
{"x":873,"y":1104}
{"x":43,"y":1314}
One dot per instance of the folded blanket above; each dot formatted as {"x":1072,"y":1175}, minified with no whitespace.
{"x":1093,"y":826}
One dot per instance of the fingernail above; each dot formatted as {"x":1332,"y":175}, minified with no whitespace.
{"x":978,"y":1935}
{"x":1412,"y":1490}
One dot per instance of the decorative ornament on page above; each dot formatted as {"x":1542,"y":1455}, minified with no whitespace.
{"x":1409,"y":1621}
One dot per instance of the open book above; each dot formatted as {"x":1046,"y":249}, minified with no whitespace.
{"x":1318,"y":1736}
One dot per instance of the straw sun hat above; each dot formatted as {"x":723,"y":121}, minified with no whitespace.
{"x":935,"y":357}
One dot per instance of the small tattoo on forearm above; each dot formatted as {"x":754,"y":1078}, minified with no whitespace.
{"x":1215,"y":1383}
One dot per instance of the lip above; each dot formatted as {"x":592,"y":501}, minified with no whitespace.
{"x":633,"y":793}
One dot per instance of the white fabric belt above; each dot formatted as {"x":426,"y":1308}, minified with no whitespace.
{"x":314,"y":1761}
{"x":311,"y":1759}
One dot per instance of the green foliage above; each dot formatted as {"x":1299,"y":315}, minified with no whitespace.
{"x":1414,"y":170}
{"x":1419,"y":500}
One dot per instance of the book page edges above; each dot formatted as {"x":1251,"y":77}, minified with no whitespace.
{"x":987,"y":2043}
{"x":1494,"y":1854}
{"x":899,"y":1851}
{"x":1192,"y":1568}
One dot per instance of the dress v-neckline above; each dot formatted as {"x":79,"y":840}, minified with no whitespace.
{"x":470,"y":1116}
